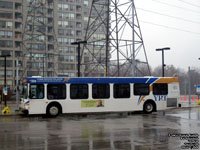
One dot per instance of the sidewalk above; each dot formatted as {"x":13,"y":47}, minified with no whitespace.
{"x":12,"y":107}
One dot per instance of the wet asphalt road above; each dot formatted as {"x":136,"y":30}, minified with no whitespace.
{"x":168,"y":130}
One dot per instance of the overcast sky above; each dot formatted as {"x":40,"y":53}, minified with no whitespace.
{"x":174,"y":24}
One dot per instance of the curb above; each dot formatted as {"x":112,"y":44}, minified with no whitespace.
{"x":9,"y":115}
{"x":12,"y":108}
{"x":17,"y":113}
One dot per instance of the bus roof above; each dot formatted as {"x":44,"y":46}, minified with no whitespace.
{"x":81,"y":80}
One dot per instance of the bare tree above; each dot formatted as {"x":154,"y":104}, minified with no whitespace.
{"x":183,"y":76}
{"x":170,"y":71}
{"x":194,"y":79}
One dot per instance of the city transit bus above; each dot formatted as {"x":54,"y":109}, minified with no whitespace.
{"x":56,"y":95}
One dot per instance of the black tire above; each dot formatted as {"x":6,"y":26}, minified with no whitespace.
{"x":149,"y":107}
{"x":53,"y":110}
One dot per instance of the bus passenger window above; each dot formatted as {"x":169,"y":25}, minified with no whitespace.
{"x":79,"y":91}
{"x":160,"y":89}
{"x":56,"y":91}
{"x":100,"y":91}
{"x":141,"y":89}
{"x":121,"y":91}
{"x":36,"y":91}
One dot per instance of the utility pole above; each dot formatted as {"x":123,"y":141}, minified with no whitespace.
{"x":17,"y":85}
{"x":163,"y":64}
{"x":198,"y":85}
{"x":189,"y":74}
{"x":79,"y":54}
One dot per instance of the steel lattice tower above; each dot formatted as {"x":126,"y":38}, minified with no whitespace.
{"x":39,"y":41}
{"x":121,"y":47}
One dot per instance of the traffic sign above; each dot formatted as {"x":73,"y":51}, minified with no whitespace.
{"x":5,"y":91}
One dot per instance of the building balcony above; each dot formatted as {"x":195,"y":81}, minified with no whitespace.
{"x":18,"y":36}
{"x":18,"y":16}
{"x":18,"y":7}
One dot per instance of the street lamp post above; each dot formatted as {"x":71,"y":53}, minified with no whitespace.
{"x":163,"y":65}
{"x":5,"y":85}
{"x":79,"y":54}
{"x":43,"y":67}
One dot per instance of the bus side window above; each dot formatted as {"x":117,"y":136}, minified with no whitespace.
{"x":141,"y":89}
{"x":100,"y":91}
{"x":56,"y":91}
{"x":121,"y":90}
{"x":36,"y":91}
{"x":160,"y":88}
{"x":79,"y":91}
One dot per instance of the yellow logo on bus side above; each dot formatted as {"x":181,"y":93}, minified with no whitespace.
{"x":92,"y":103}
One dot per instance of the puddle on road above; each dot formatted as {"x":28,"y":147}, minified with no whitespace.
{"x":136,"y":132}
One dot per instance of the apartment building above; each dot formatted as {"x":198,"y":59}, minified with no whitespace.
{"x":39,"y":34}
{"x":10,"y":37}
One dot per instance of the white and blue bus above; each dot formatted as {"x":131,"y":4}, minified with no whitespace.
{"x":57,"y":95}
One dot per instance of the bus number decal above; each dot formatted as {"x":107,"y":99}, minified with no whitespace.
{"x":160,"y":97}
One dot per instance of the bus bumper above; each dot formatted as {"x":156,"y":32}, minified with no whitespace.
{"x":25,"y":111}
{"x":24,"y":107}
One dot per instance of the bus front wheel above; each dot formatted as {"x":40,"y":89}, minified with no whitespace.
{"x":149,"y":107}
{"x":53,"y":110}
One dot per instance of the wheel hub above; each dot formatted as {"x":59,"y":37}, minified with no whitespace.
{"x":53,"y":110}
{"x":149,"y":107}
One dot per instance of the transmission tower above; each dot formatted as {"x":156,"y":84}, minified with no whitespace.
{"x":115,"y":44}
{"x":39,"y":41}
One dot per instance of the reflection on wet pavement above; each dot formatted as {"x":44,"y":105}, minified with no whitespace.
{"x":134,"y":132}
{"x":193,"y":114}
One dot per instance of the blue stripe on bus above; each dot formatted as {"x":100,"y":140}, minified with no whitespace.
{"x":57,"y":80}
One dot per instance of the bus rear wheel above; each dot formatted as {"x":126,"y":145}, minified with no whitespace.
{"x":53,"y":110}
{"x":149,"y":107}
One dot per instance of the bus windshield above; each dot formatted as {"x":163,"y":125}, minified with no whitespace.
{"x":25,"y":91}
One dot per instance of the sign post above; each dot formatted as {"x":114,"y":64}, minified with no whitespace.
{"x":6,"y":109}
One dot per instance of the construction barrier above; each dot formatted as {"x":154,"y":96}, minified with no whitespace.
{"x":192,"y":99}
